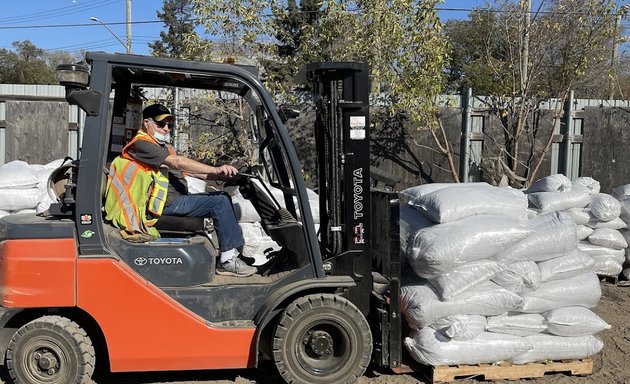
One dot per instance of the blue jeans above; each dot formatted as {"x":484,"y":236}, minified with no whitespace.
{"x":214,"y":205}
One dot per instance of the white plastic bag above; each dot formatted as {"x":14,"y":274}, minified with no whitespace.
{"x":607,"y":265}
{"x":243,"y":208}
{"x":583,"y":232}
{"x":422,"y":307}
{"x":16,"y":199}
{"x":555,"y":234}
{"x":614,"y":223}
{"x":579,"y":215}
{"x":195,"y":185}
{"x":450,"y":204}
{"x":257,"y":242}
{"x":411,"y":221}
{"x":519,"y":277}
{"x":621,"y":192}
{"x":588,"y":182}
{"x":439,"y":249}
{"x":560,"y":201}
{"x":464,"y":277}
{"x":574,"y":321}
{"x":551,"y":347}
{"x":573,"y":264}
{"x":460,"y":327}
{"x":551,"y":183}
{"x":607,"y":237}
{"x":604,"y":207}
{"x":597,"y":250}
{"x":18,"y":175}
{"x":419,"y":191}
{"x":583,"y":290}
{"x":427,"y":346}
{"x":516,"y":324}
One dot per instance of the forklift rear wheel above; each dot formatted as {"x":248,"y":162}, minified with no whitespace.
{"x":322,"y":338}
{"x":50,"y":350}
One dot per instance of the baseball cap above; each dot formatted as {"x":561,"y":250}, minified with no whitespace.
{"x":157,"y":112}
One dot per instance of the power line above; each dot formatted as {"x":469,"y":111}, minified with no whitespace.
{"x":76,"y":25}
{"x":439,"y":9}
{"x":64,"y":11}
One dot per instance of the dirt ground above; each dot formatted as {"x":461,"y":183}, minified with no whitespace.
{"x":610,"y":366}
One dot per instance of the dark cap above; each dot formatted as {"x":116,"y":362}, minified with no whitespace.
{"x":157,"y":112}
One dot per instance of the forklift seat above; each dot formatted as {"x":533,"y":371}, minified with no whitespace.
{"x":180,"y":226}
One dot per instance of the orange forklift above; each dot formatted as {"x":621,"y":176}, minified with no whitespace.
{"x":76,"y":295}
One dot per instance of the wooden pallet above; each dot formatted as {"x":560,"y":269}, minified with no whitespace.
{"x":446,"y":373}
{"x":613,"y":280}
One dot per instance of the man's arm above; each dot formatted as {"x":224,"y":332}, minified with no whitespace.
{"x":198,"y":169}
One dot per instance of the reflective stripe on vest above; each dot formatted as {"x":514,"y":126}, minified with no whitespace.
{"x":118,"y":182}
{"x":157,"y":200}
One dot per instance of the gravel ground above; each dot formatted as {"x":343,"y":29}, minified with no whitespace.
{"x":610,"y":365}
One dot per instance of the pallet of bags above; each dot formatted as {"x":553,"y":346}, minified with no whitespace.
{"x":486,"y":278}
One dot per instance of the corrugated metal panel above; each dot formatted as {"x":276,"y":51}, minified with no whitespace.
{"x":555,"y":153}
{"x":32,"y":90}
{"x":476,"y":123}
{"x":577,"y":126}
{"x":72,"y":144}
{"x":2,"y":146}
{"x":574,"y":169}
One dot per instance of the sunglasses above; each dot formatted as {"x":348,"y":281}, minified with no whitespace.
{"x":162,"y":124}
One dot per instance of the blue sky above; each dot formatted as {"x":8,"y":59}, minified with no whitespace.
{"x":66,"y":25}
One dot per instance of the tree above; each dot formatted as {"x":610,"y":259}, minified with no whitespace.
{"x":473,"y":44}
{"x":27,"y":64}
{"x":289,"y":25}
{"x":566,"y":46}
{"x":178,"y":17}
{"x":400,"y":40}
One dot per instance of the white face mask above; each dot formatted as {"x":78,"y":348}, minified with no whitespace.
{"x":162,"y":138}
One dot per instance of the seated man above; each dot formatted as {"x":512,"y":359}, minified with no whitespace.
{"x":151,"y":148}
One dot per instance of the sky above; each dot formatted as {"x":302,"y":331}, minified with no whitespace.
{"x":65,"y":25}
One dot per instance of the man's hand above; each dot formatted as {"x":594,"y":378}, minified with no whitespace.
{"x":226,"y":172}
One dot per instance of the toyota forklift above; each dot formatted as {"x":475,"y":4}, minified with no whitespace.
{"x":75,"y":294}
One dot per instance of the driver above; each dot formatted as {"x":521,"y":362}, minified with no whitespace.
{"x":151,"y":148}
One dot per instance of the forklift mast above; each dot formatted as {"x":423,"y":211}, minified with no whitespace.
{"x":343,"y":155}
{"x":359,"y":225}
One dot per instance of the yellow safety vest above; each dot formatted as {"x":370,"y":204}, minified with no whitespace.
{"x":136,"y":194}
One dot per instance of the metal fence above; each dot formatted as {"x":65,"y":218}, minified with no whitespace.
{"x":37,"y":125}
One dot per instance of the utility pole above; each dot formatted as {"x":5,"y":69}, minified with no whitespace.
{"x":128,"y":26}
{"x":526,"y":7}
{"x":612,"y":76}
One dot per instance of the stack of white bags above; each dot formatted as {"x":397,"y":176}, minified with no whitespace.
{"x":596,"y":214}
{"x":24,"y":187}
{"x":622,"y":193}
{"x":493,"y":280}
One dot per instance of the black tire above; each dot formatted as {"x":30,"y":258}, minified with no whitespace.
{"x":322,"y":338}
{"x":50,"y":350}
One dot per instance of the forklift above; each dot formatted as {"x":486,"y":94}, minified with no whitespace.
{"x":75,"y":295}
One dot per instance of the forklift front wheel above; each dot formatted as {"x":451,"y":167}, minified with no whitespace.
{"x":322,"y":338}
{"x":51,"y":350}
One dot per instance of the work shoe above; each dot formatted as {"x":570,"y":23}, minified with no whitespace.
{"x":235,"y":267}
